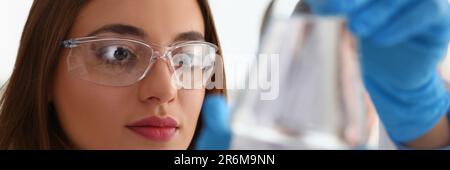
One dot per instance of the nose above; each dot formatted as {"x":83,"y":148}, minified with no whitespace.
{"x":157,"y":86}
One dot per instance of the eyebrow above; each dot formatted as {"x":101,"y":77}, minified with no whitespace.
{"x":121,"y":29}
{"x":124,"y":29}
{"x":190,"y":36}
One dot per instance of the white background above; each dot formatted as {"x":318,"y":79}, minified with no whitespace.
{"x":12,"y":18}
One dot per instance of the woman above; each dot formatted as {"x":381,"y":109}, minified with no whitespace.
{"x":110,"y":75}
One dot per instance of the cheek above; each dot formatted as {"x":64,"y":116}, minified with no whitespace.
{"x":191,"y":102}
{"x":92,"y":116}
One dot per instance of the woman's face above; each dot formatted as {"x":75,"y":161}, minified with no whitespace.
{"x":150,"y":114}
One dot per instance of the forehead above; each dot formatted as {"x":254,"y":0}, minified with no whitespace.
{"x":161,"y":20}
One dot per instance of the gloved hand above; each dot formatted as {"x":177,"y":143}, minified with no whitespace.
{"x":401,"y":43}
{"x":216,"y":133}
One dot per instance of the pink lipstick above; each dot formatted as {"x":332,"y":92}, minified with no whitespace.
{"x":155,"y":128}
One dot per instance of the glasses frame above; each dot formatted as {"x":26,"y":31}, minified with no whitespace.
{"x":155,"y":54}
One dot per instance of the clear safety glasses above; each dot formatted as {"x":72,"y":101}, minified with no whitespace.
{"x":122,"y":62}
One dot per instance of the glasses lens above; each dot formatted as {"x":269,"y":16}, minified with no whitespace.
{"x":110,"y":62}
{"x":193,"y":65}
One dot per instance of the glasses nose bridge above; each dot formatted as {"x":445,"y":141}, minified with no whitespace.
{"x":161,"y":53}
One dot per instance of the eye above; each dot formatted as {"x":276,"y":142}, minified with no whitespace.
{"x":182,"y":61}
{"x":115,"y":54}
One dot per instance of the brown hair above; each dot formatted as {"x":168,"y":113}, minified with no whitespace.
{"x":27,"y":118}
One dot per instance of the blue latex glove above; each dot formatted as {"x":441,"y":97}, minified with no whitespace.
{"x":401,"y":44}
{"x":216,"y":133}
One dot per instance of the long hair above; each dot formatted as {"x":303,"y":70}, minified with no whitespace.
{"x":27,"y":118}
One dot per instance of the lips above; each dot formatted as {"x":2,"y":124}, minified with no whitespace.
{"x":155,"y":128}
